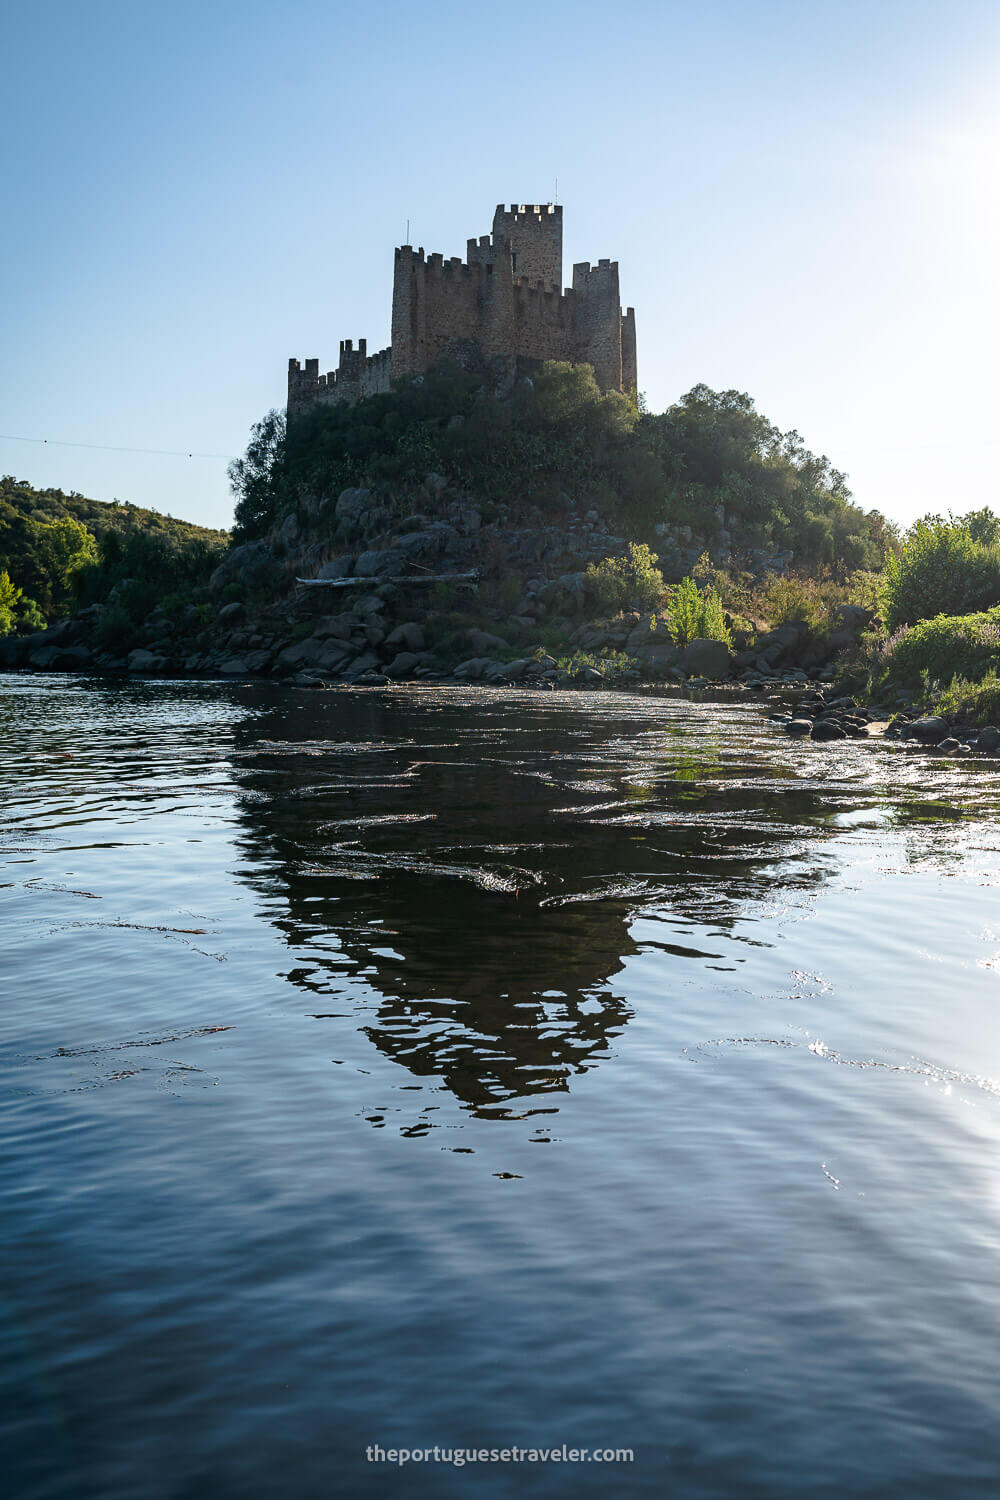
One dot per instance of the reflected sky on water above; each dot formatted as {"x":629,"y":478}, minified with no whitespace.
{"x":491,"y":1068}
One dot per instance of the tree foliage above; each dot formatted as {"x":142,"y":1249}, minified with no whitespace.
{"x":945,"y":567}
{"x":617,"y":582}
{"x":55,"y":554}
{"x":711,"y":455}
{"x":10,"y":597}
{"x":719,"y":455}
{"x":697,"y":614}
{"x":256,"y":479}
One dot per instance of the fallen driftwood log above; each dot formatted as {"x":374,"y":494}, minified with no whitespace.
{"x":353,"y":583}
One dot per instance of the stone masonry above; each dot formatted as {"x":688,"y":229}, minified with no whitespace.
{"x":501,"y":310}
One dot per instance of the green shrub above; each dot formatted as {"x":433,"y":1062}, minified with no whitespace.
{"x":863,"y":588}
{"x":942,"y":569}
{"x":713,"y":619}
{"x":685,"y":611}
{"x":946,"y":647}
{"x":792,"y":597}
{"x":697,"y":615}
{"x":616,"y":582}
{"x":114,"y":628}
{"x":608,"y":663}
{"x":979,"y":701}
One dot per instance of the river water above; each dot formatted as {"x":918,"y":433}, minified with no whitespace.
{"x":491,"y":1070}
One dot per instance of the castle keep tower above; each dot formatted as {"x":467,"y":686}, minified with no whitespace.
{"x":534,"y":234}
{"x":502,"y":310}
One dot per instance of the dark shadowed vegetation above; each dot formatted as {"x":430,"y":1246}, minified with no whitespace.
{"x":711,"y":454}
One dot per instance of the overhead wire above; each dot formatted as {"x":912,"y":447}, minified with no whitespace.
{"x":8,"y":437}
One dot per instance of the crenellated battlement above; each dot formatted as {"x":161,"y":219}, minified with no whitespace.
{"x":529,"y":211}
{"x":503,"y":306}
{"x":585,"y":274}
{"x":358,"y":374}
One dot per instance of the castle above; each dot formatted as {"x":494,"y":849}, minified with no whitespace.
{"x":503,"y":309}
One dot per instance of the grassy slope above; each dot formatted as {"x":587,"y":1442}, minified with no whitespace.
{"x":19,"y":502}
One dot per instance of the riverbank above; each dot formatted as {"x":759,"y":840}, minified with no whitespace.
{"x":807,"y":706}
{"x":426,"y":584}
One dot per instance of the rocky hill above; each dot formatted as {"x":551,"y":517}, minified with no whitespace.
{"x":543,"y":545}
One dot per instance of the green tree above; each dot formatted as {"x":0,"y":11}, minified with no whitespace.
{"x":941,"y":569}
{"x":57,"y":553}
{"x":982,"y":525}
{"x":10,"y":597}
{"x":29,"y":617}
{"x":256,"y":478}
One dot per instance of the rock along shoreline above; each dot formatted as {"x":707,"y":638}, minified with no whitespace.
{"x":808,"y":706}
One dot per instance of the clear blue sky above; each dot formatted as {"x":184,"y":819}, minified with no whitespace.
{"x":804,"y":199}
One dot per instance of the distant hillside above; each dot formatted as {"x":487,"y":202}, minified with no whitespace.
{"x":19,"y":501}
{"x":61,"y":550}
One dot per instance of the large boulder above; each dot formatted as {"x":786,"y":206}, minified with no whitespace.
{"x":402,"y":664}
{"x":145,"y":661}
{"x":854,"y":618}
{"x":337,"y":567}
{"x":72,"y":659}
{"x":42,"y":658}
{"x":472,"y":669}
{"x":647,"y":632}
{"x":660,"y":653}
{"x":337,"y":656}
{"x":381,"y":562}
{"x":774,"y":645}
{"x":252,"y":664}
{"x":368,"y":662}
{"x":12,"y":653}
{"x":307,"y":653}
{"x":929,"y":730}
{"x":706,"y":658}
{"x":429,"y":543}
{"x":409,"y":636}
{"x":352,"y":504}
{"x":482,"y":641}
{"x":341,"y":627}
{"x":288,"y":531}
{"x":513,"y":671}
{"x":243,"y":565}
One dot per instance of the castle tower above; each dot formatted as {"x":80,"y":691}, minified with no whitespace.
{"x":599,"y":322}
{"x":534,"y":233}
{"x":630,"y":367}
{"x":499,"y":312}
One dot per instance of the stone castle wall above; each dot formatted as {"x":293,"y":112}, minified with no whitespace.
{"x":359,"y":374}
{"x":503,"y":306}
